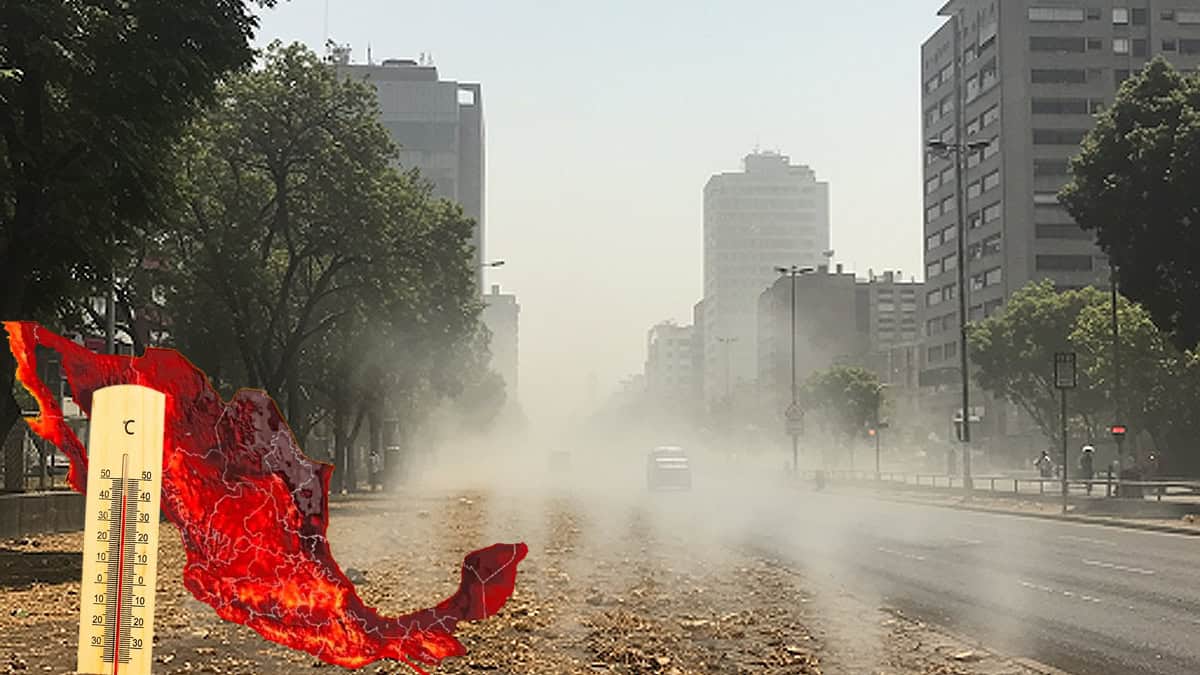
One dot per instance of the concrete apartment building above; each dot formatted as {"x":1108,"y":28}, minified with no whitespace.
{"x":438,"y":125}
{"x":830,"y":328}
{"x":1033,"y":74}
{"x":771,"y":213}
{"x":501,"y":314}
{"x":669,"y":364}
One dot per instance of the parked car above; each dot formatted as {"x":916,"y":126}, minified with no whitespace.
{"x":668,"y":467}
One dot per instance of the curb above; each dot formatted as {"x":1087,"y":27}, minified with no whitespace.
{"x":1086,"y":520}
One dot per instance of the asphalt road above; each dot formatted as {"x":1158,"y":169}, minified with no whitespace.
{"x":1086,"y":599}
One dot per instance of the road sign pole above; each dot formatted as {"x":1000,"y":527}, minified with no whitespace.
{"x":796,"y":455}
{"x":1064,"y":379}
{"x":1064,"y":450}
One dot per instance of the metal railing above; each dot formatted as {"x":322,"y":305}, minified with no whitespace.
{"x":1108,"y":486}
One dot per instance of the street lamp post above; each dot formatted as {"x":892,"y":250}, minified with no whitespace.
{"x":794,"y":271}
{"x":956,"y":150}
{"x":878,"y":430}
{"x":1118,"y":423}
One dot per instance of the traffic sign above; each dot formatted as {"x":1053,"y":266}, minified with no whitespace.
{"x":1064,"y":370}
{"x":795,"y":427}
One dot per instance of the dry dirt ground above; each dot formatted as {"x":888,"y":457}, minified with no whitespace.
{"x":601,"y":592}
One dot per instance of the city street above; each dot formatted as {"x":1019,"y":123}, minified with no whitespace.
{"x":1086,"y":599}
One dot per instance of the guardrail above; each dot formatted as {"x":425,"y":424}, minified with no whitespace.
{"x":1108,"y":486}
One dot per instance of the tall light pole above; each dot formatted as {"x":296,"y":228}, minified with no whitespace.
{"x":878,"y":430}
{"x":1118,"y":427}
{"x":794,"y":272}
{"x":956,"y":150}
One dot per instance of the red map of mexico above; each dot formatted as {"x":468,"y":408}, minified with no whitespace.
{"x":253,"y":512}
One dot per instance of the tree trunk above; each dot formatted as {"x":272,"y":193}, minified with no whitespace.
{"x":340,"y":441}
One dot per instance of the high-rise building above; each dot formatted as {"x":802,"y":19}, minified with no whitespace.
{"x":438,"y":125}
{"x":501,"y":314}
{"x":830,"y":328}
{"x":669,"y":363}
{"x":890,"y":310}
{"x":771,"y":213}
{"x":1032,"y":74}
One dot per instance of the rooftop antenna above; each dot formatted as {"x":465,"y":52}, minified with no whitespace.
{"x":326,"y":28}
{"x":369,"y":61}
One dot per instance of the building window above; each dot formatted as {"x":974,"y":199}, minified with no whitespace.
{"x":991,"y":213}
{"x":933,"y":326}
{"x":1058,"y":76}
{"x":976,"y":313}
{"x":1169,"y":45}
{"x":933,"y":212}
{"x":948,"y":205}
{"x":934,"y":354}
{"x":991,"y":245}
{"x":993,"y":276}
{"x":1139,"y":46}
{"x":991,"y":306}
{"x":1064,"y":263}
{"x":1050,"y":167}
{"x":990,"y":115}
{"x":950,"y":350}
{"x":1120,"y":45}
{"x":1120,"y":75}
{"x":933,"y":241}
{"x":974,"y":252}
{"x":992,"y":147}
{"x":932,"y":184}
{"x":1045,"y":198}
{"x":949,"y":263}
{"x":948,"y":292}
{"x":950,"y":233}
{"x":973,"y":127}
{"x":1095,"y":44}
{"x":1190,"y":47}
{"x":948,"y":175}
{"x":1062,"y":231}
{"x":1055,"y":14}
{"x":1187,"y":16}
{"x":933,"y":269}
{"x":1120,"y":16}
{"x":974,"y":221}
{"x":974,"y":190}
{"x":972,"y":87}
{"x":1058,"y":136}
{"x":1065,"y":106}
{"x":1059,"y":45}
{"x":1167,"y":15}
{"x":1093,"y":13}
{"x":991,"y":180}
{"x":1137,"y":16}
{"x":933,"y":298}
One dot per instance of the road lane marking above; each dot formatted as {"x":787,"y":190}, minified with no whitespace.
{"x":969,"y":542}
{"x":910,"y":556}
{"x":1114,"y":566}
{"x":1068,"y":594}
{"x":1087,"y":540}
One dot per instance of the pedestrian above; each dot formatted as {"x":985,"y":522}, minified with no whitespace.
{"x":1087,"y":465}
{"x":375,"y":468}
{"x":951,"y":461}
{"x":1045,"y":465}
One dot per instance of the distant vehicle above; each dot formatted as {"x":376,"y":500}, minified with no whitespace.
{"x":668,"y":467}
{"x":560,"y":461}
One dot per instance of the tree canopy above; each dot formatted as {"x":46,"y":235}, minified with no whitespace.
{"x":1134,"y":184}
{"x":92,"y":96}
{"x":846,"y":398}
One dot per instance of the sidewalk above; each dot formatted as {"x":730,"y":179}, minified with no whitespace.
{"x":1048,"y":508}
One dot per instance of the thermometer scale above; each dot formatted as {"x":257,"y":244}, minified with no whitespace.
{"x":120,"y":546}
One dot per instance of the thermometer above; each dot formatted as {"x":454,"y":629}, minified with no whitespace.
{"x":120,"y":546}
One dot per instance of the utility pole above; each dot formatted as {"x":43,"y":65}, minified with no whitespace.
{"x":793,"y":414}
{"x":956,"y":150}
{"x":1118,"y":424}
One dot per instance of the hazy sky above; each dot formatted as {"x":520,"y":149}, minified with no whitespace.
{"x":605,"y":119}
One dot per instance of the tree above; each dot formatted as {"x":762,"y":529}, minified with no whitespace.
{"x":848,"y":398}
{"x":1014,"y":352}
{"x":92,"y":95}
{"x":1134,"y":184}
{"x":1159,"y":385}
{"x":289,"y":197}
